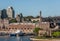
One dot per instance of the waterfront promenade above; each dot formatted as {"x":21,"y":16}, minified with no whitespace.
{"x":32,"y":39}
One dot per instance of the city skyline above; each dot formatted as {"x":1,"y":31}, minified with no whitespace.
{"x":33,"y":7}
{"x":7,"y":13}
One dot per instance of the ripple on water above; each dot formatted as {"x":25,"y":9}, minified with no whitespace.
{"x":22,"y":38}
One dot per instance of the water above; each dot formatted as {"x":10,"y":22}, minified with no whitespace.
{"x":21,"y":38}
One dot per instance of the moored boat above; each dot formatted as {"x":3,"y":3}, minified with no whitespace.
{"x":17,"y":32}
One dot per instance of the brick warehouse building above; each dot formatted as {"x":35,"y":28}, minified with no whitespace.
{"x":24,"y":27}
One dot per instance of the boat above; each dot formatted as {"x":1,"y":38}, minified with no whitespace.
{"x":13,"y":34}
{"x":21,"y":33}
{"x":17,"y":32}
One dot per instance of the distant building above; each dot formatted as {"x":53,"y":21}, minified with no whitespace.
{"x":0,"y":13}
{"x":21,"y":17}
{"x":3,"y":14}
{"x":10,"y":12}
{"x":35,"y":19}
{"x":40,"y":16}
{"x":44,"y":25}
{"x":38,"y":19}
{"x":4,"y":23}
{"x":18,"y":18}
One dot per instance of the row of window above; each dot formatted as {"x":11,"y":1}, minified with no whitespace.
{"x":17,"y":28}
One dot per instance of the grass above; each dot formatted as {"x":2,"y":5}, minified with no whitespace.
{"x":39,"y":37}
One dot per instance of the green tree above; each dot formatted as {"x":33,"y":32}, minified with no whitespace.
{"x":13,"y":21}
{"x":35,"y":21}
{"x":37,"y":16}
{"x":56,"y":34}
{"x":36,"y":30}
{"x":29,"y":17}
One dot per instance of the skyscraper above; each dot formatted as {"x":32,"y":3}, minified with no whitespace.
{"x":3,"y":14}
{"x":10,"y":12}
{"x":0,"y":14}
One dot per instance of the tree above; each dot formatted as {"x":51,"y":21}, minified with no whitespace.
{"x":13,"y":21}
{"x":37,"y":16}
{"x":36,"y":30}
{"x":35,"y":21}
{"x":29,"y":17}
{"x":56,"y":34}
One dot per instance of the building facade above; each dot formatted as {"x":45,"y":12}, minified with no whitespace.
{"x":4,"y":23}
{"x":18,"y":18}
{"x":10,"y":12}
{"x":4,"y":14}
{"x":0,"y":13}
{"x":24,"y":27}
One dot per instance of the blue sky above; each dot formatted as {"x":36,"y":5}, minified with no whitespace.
{"x":32,"y":7}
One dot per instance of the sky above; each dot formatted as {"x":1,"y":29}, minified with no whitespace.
{"x":33,"y":7}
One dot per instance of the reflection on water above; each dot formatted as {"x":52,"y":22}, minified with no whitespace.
{"x":18,"y":38}
{"x":21,"y":38}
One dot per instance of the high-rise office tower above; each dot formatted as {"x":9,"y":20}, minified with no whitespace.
{"x":3,"y":14}
{"x":10,"y":12}
{"x":0,"y":13}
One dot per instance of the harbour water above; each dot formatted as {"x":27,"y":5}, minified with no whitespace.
{"x":21,"y":38}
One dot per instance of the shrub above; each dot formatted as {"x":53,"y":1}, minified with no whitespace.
{"x":56,"y":34}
